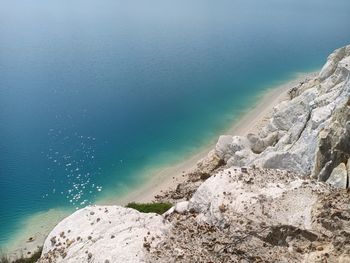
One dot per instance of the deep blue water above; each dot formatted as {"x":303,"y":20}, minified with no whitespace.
{"x":94,"y":92}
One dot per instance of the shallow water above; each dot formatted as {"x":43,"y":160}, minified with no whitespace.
{"x":92,"y":93}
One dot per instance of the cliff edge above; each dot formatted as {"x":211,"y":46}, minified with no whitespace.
{"x":281,"y":195}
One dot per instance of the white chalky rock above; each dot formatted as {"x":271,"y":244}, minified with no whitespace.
{"x":103,"y":234}
{"x":339,"y":176}
{"x":292,"y":138}
{"x":181,"y":207}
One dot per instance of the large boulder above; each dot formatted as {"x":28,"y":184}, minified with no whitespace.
{"x":210,"y":163}
{"x":258,"y":145}
{"x":103,"y":234}
{"x":228,"y":145}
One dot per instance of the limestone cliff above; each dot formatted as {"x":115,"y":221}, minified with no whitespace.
{"x":259,"y":198}
{"x":309,"y":134}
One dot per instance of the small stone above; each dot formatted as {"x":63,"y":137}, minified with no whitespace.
{"x":222,"y":208}
{"x":319,"y":248}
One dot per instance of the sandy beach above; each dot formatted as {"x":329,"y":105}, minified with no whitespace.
{"x":255,"y":117}
{"x":163,"y":178}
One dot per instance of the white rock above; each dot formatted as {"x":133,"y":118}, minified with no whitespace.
{"x":181,"y":207}
{"x":232,"y":193}
{"x":111,"y":233}
{"x":169,"y":212}
{"x":291,"y":140}
{"x":258,"y":145}
{"x":209,"y":163}
{"x":282,"y":160}
{"x":227,"y":145}
{"x":319,"y":115}
{"x":241,"y":158}
{"x":339,"y":176}
{"x":332,"y":62}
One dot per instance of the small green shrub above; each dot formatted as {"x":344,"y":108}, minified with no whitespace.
{"x":158,"y":208}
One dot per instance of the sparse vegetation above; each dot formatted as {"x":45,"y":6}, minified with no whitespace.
{"x":158,"y":208}
{"x":35,"y":256}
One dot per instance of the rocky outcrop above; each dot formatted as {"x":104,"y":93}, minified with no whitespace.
{"x":237,"y":215}
{"x":259,"y":215}
{"x":308,"y":134}
{"x":103,"y":234}
{"x":255,"y":198}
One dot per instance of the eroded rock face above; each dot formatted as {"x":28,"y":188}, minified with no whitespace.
{"x":103,"y":234}
{"x":308,"y":134}
{"x":259,"y":215}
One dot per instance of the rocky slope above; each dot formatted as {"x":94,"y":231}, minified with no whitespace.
{"x":308,"y":134}
{"x":258,"y":215}
{"x":276,"y":210}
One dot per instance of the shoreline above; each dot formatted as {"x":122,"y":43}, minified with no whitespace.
{"x":164,"y":178}
{"x":157,"y":180}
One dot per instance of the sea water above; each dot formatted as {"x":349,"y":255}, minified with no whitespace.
{"x":93,"y":92}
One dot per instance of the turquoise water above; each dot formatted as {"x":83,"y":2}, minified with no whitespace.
{"x":94,"y":92}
